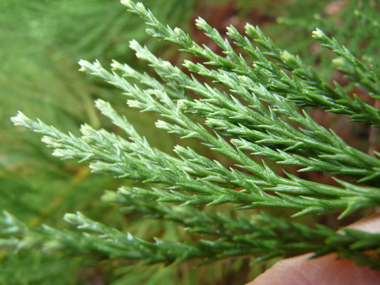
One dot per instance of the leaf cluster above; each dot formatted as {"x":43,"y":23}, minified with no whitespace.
{"x":253,"y":106}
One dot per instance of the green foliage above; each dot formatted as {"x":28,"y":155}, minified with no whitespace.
{"x":40,"y":44}
{"x":253,"y":106}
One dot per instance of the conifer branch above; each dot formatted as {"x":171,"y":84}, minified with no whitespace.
{"x":250,"y":118}
{"x":246,"y":85}
{"x":335,"y":100}
{"x":153,"y":167}
{"x":262,"y":119}
{"x":359,"y":73}
{"x":266,"y":237}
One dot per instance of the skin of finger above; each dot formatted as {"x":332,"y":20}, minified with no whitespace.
{"x":326,"y":269}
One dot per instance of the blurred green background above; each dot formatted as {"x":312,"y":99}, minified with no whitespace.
{"x":41,"y":42}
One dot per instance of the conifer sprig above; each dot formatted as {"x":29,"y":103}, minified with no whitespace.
{"x":283,"y":134}
{"x":262,"y":87}
{"x":141,"y":162}
{"x":264,"y":236}
{"x":286,"y":237}
{"x":279,"y":184}
{"x":334,"y":100}
{"x":358,"y":72}
{"x":258,"y":121}
{"x":250,"y":118}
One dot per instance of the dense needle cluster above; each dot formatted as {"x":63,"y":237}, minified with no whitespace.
{"x":253,"y":107}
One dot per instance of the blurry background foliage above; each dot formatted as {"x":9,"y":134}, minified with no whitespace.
{"x":40,"y":44}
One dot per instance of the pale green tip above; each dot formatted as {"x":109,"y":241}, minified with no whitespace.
{"x":318,"y":34}
{"x":70,"y":218}
{"x":126,"y":2}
